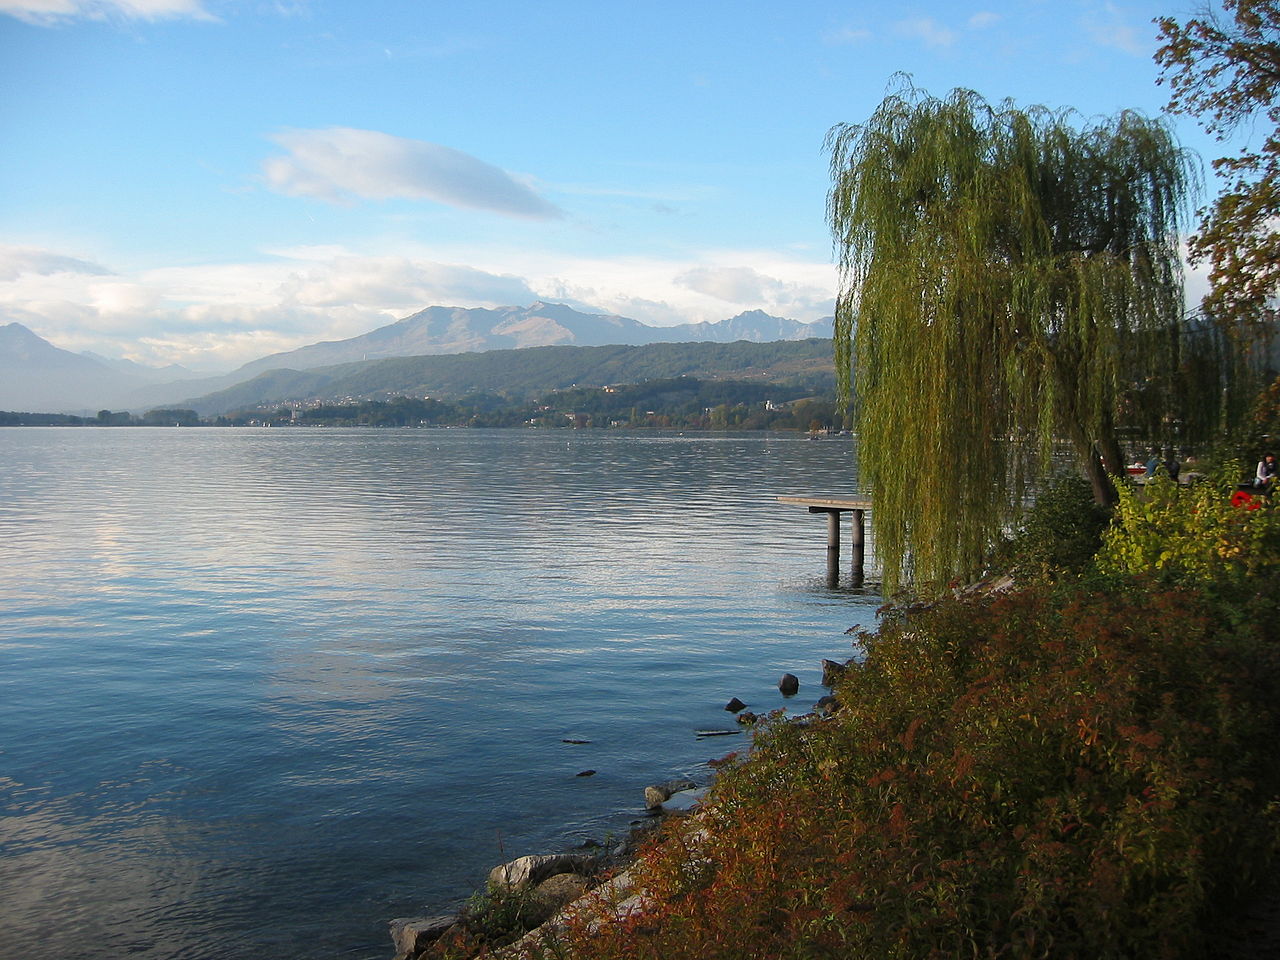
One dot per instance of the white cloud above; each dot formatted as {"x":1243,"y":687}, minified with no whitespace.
{"x":1106,"y":25}
{"x":731,"y":284}
{"x":51,"y":12}
{"x":338,"y":163}
{"x":847,"y":35}
{"x":983,"y":19}
{"x":927,"y":30}
{"x":16,"y":261}
{"x":711,"y":287}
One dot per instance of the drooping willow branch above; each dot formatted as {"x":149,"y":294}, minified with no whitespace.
{"x":1009,"y":277}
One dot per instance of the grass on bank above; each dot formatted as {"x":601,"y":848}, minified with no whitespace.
{"x":1082,"y":767}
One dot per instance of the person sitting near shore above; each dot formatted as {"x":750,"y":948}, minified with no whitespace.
{"x":1265,"y":477}
{"x":1169,"y":463}
{"x":1152,"y":465}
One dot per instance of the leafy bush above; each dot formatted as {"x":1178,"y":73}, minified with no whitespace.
{"x":1206,"y":535}
{"x":1059,"y":534}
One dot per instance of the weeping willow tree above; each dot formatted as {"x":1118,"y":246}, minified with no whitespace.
{"x":1008,"y":279}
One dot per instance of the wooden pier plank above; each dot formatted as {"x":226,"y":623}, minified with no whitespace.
{"x":830,"y":503}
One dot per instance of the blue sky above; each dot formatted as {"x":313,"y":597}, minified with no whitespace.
{"x":209,"y":181}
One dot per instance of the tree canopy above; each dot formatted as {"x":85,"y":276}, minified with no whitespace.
{"x":1009,"y":276}
{"x":1225,"y":68}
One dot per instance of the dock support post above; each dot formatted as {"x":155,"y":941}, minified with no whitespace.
{"x":834,"y":507}
{"x":859,"y":545}
{"x":833,"y":548}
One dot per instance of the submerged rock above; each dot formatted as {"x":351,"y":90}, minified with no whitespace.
{"x":734,"y":705}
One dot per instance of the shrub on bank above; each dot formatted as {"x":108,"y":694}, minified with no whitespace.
{"x":1050,"y":773}
{"x":1058,"y":536}
{"x":1210,"y":535}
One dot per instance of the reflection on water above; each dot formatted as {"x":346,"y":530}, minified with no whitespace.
{"x":261,"y":691}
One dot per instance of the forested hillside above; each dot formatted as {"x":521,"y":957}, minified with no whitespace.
{"x":805,"y":366}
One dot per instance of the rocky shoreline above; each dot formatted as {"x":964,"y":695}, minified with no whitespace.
{"x":534,"y":895}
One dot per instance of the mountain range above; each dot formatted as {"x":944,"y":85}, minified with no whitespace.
{"x":39,"y":377}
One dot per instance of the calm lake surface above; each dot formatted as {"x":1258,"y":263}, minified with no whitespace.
{"x":263,"y":690}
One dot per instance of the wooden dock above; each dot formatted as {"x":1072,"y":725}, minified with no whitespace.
{"x":833,"y":507}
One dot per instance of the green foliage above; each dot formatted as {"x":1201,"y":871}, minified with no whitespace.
{"x":13,"y":418}
{"x":1059,"y":535}
{"x":503,"y":914}
{"x":118,"y":418}
{"x":681,"y":402}
{"x":1048,"y":773}
{"x":1204,"y":535}
{"x":1007,"y":276}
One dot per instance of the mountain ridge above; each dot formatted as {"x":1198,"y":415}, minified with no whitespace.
{"x":445,"y":330}
{"x":44,"y":378}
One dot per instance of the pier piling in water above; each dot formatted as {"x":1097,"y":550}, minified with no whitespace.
{"x":834,"y":507}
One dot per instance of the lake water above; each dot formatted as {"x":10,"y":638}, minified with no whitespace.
{"x":263,"y":690}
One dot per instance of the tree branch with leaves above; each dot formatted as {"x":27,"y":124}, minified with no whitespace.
{"x":1224,"y":67}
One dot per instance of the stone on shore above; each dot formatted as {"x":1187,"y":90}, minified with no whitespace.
{"x":413,"y":935}
{"x":556,"y":892}
{"x":683,"y":801}
{"x":789,"y":684}
{"x":832,"y":671}
{"x":532,"y":870}
{"x":658,"y":794}
{"x":826,"y":706}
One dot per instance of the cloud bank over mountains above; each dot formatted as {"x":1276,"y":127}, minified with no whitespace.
{"x":219,"y":315}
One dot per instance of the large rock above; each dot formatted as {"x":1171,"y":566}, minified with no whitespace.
{"x":562,"y":889}
{"x":789,"y":684}
{"x":684,"y":801}
{"x":413,"y":935}
{"x":532,"y":870}
{"x":657,"y":794}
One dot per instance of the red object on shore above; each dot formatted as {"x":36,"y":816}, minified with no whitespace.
{"x":1244,"y":499}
